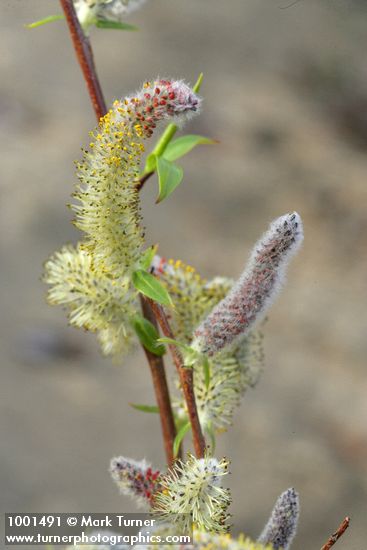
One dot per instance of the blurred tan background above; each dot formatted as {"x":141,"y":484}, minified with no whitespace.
{"x":286,"y":93}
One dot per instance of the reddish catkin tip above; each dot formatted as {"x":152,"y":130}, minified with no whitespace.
{"x":135,"y":478}
{"x":255,"y":290}
{"x":164,"y":99}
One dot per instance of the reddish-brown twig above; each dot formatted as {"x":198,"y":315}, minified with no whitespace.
{"x":84,"y":54}
{"x":186,"y":376}
{"x":161,"y":390}
{"x":142,"y":180}
{"x":338,"y":533}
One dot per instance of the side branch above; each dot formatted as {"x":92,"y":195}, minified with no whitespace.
{"x":161,"y":390}
{"x":338,"y":533}
{"x":85,"y":57}
{"x":142,"y":180}
{"x":186,"y":376}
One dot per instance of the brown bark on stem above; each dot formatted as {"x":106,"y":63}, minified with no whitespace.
{"x":142,"y":180}
{"x":338,"y":533}
{"x":186,"y":378}
{"x":161,"y":390}
{"x":84,"y":55}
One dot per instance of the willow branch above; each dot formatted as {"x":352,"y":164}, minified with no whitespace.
{"x":186,"y":376}
{"x":338,"y":533}
{"x":161,"y":390}
{"x":84,"y":54}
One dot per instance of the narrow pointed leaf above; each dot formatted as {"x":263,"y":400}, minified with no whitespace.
{"x":179,"y":437}
{"x":102,"y":24}
{"x":189,"y":355}
{"x":44,"y":21}
{"x":184,"y":144}
{"x":150,"y":164}
{"x":145,"y":408}
{"x":148,"y":285}
{"x":148,"y":335}
{"x":206,"y":368}
{"x":180,"y":421}
{"x":196,"y":87}
{"x":147,"y":257}
{"x":169,"y":177}
{"x":172,"y":342}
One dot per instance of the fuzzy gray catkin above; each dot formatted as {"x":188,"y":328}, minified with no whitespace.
{"x":255,"y":290}
{"x":282,"y":525}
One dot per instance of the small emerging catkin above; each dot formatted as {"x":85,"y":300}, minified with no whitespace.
{"x":255,"y":290}
{"x":282,"y":525}
{"x":136,"y":479}
{"x":90,"y":12}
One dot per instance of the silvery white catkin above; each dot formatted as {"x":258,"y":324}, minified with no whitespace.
{"x":90,"y":12}
{"x":255,"y":290}
{"x":282,"y":525}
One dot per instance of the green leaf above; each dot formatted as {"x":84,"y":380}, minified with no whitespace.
{"x":196,"y":87}
{"x":150,"y":163}
{"x":183,"y":145}
{"x":148,"y":335}
{"x":206,"y":368}
{"x":148,"y":285}
{"x":147,"y":257}
{"x":169,"y":177}
{"x":102,"y":24}
{"x":179,"y":437}
{"x":190,"y":356}
{"x":145,"y":408}
{"x":180,"y":421}
{"x":172,"y":342}
{"x":48,"y":19}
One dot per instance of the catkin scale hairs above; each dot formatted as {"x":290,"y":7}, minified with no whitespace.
{"x":254,"y":292}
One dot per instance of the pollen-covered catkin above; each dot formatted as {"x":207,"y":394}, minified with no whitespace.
{"x":93,"y":279}
{"x":108,"y":208}
{"x":192,"y":493}
{"x":93,"y":300}
{"x":255,"y":290}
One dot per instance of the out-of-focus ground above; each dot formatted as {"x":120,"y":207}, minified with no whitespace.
{"x":286,"y":93}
